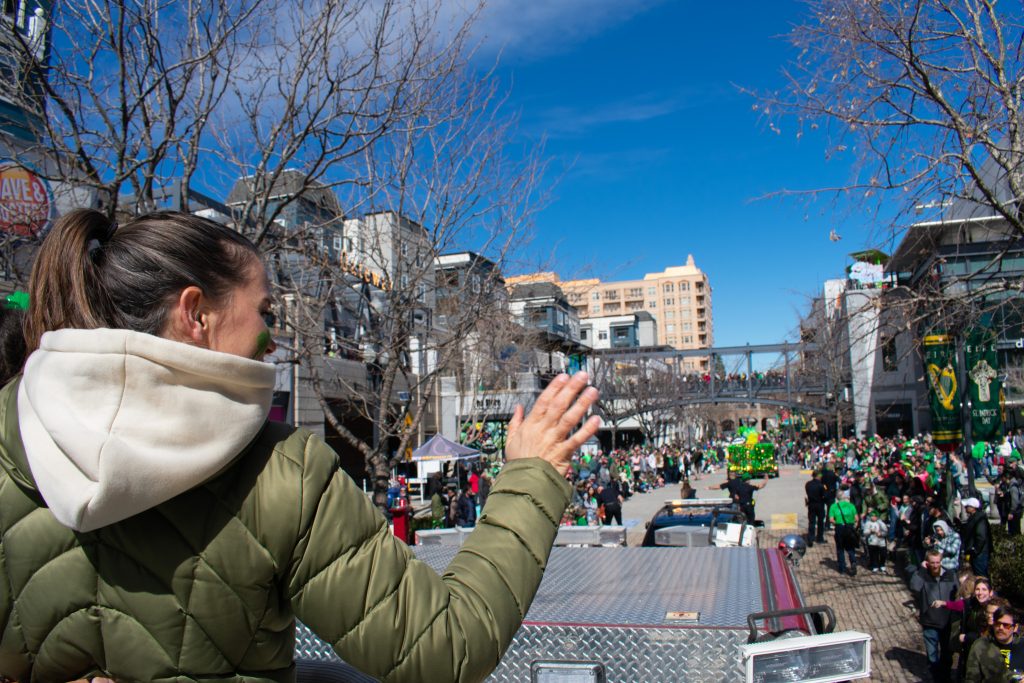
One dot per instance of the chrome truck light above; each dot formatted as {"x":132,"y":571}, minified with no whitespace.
{"x":840,"y":656}
{"x":566,"y":672}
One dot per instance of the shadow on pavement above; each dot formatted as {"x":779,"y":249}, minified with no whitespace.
{"x":914,"y":663}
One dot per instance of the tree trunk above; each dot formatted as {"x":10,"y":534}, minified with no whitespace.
{"x":380,"y":476}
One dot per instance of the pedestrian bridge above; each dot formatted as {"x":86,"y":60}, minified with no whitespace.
{"x":654,"y":379}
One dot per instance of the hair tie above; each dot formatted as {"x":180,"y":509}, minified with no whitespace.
{"x":110,"y":231}
{"x":92,"y":246}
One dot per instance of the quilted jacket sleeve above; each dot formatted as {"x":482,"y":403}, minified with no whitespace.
{"x":361,"y":589}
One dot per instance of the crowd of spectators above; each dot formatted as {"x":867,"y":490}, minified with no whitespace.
{"x":908,"y":498}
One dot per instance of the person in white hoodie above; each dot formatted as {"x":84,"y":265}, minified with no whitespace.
{"x":875,"y":532}
{"x":156,"y":526}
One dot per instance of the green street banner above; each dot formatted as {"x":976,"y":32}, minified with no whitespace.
{"x":983,"y":384}
{"x":943,"y":391}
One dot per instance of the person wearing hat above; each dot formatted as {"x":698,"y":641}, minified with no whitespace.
{"x":977,"y":537}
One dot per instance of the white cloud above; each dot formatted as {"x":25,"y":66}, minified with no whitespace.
{"x":529,"y":29}
{"x":565,"y":121}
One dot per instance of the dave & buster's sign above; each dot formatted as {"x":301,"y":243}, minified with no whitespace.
{"x":26,"y":201}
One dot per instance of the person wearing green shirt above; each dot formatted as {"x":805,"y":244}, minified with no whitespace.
{"x":846,"y":521}
{"x":978,"y":452}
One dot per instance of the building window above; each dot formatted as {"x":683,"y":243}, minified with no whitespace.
{"x":651,"y":291}
{"x":635,"y":292}
{"x":337,"y":243}
{"x":611,"y":294}
{"x":621,"y":332}
{"x":685,"y":313}
{"x":596,"y":296}
{"x":890,"y":361}
{"x":670,"y":328}
{"x":671,"y":341}
{"x":595,"y":308}
{"x":405,"y":250}
{"x":652,"y":304}
{"x":583,"y":333}
{"x":670,"y":301}
{"x":684,"y":286}
{"x":421,"y":293}
{"x":687,"y":327}
{"x":670,"y":315}
{"x":602,"y":334}
{"x":687,"y":339}
{"x":668,"y":288}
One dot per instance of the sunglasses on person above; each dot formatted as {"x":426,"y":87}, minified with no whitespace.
{"x":1003,"y":624}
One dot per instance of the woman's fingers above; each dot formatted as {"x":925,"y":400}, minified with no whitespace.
{"x":517,"y":420}
{"x":566,"y":396}
{"x":573,"y":415}
{"x":543,"y":402}
{"x":581,"y":435}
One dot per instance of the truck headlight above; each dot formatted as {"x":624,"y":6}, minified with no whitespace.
{"x":823,"y":658}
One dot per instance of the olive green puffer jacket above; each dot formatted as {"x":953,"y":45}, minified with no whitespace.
{"x":207,"y":586}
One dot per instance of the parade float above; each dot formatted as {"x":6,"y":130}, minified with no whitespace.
{"x":748,"y":455}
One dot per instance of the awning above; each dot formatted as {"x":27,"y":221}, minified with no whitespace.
{"x":439,"y":448}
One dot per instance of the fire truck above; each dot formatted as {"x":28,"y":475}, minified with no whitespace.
{"x":702,"y":604}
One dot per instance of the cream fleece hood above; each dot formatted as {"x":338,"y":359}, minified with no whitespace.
{"x":116,"y":422}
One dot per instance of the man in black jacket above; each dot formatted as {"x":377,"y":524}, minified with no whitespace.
{"x":830,"y":481}
{"x":977,"y":537}
{"x":610,"y":497}
{"x":816,"y":507}
{"x":930,"y":585}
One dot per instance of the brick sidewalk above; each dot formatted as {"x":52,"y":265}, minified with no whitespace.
{"x":877,"y":604}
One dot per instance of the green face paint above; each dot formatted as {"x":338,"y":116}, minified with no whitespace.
{"x":262,"y":344}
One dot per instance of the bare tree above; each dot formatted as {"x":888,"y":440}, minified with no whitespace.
{"x":610,"y":379}
{"x":648,"y":391}
{"x":445,"y":181}
{"x":924,"y":96}
{"x":826,"y":325}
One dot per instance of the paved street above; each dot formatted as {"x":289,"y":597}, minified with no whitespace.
{"x":871,"y":603}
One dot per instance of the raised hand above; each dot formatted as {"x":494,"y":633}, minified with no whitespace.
{"x":544,"y":433}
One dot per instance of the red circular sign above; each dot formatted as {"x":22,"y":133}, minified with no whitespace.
{"x":26,"y":203}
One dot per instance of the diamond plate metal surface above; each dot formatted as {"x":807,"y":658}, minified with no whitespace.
{"x":309,"y":647}
{"x":638,"y":586}
{"x":610,"y":605}
{"x":628,"y":654}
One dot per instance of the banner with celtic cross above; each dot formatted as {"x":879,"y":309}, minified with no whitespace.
{"x":984,"y":384}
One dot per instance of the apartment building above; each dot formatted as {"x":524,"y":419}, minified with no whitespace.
{"x":679,"y":299}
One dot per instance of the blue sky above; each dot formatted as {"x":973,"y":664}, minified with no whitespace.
{"x":665,"y":157}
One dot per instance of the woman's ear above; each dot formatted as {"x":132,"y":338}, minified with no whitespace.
{"x":188,"y":320}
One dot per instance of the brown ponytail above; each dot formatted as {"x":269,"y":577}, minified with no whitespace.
{"x":89,"y":273}
{"x":63,"y":286}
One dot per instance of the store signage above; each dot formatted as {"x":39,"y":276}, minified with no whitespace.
{"x":26,"y":201}
{"x":360,"y":271}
